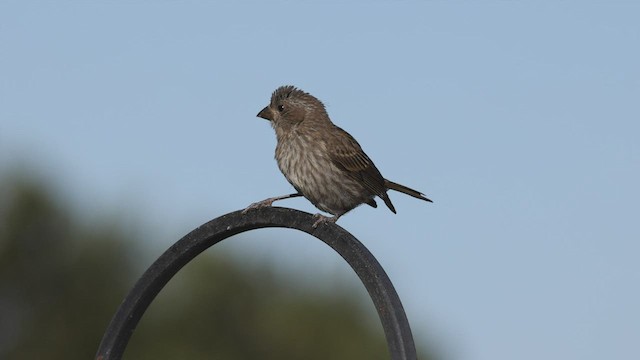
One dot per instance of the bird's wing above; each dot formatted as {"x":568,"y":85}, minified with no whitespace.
{"x":348,"y":156}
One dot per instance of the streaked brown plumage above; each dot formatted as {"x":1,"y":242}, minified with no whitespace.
{"x":324,"y":163}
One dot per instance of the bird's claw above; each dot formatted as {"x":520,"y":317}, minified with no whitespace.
{"x":258,"y":205}
{"x":321,"y":219}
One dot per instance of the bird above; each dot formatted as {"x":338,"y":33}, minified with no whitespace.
{"x":322,"y":162}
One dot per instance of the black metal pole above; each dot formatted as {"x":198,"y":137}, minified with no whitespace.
{"x":386,"y":300}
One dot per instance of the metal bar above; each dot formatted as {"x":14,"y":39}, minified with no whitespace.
{"x":386,"y":300}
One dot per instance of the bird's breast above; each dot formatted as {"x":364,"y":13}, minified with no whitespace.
{"x":306,"y":164}
{"x":301,"y":160}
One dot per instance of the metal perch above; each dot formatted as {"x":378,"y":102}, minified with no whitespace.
{"x":386,"y":300}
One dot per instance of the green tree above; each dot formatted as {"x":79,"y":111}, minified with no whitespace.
{"x":58,"y":283}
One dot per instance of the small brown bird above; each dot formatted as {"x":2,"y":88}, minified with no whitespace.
{"x":324,"y":163}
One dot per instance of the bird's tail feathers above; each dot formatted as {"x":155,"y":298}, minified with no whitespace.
{"x":387,"y":202}
{"x":403,"y":189}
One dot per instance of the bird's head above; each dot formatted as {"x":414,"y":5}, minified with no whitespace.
{"x":291,"y":106}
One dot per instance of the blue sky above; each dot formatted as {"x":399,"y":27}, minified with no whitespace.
{"x":520,"y":119}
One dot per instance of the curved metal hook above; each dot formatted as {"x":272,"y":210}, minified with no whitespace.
{"x":386,"y":300}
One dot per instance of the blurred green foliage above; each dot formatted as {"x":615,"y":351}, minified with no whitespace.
{"x":61,"y":282}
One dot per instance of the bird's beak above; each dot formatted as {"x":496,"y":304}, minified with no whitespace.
{"x":266,"y":113}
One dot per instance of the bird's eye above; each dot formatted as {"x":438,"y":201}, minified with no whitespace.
{"x":280,"y":107}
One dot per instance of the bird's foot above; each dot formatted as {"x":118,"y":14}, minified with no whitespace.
{"x":268,"y":202}
{"x":321,"y":219}
{"x":258,"y":205}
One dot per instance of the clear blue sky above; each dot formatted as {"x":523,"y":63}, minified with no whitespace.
{"x":520,"y":119}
